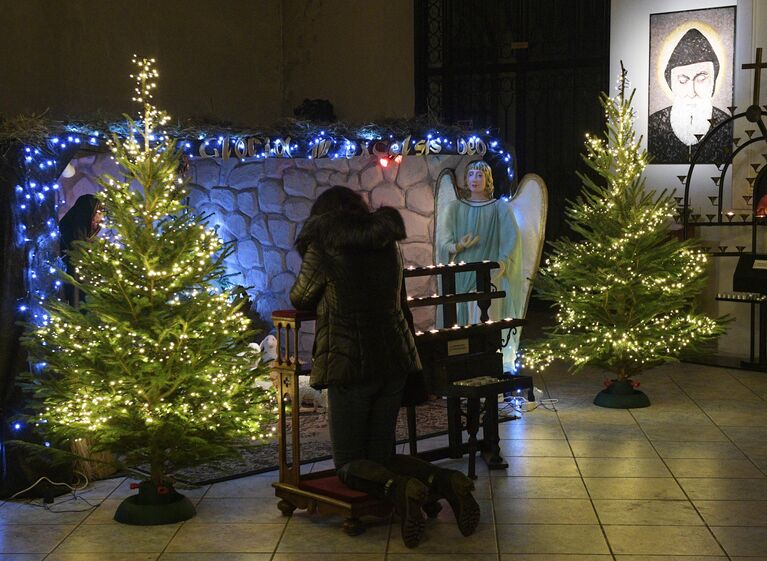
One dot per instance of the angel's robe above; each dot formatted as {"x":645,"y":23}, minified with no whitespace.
{"x":493,"y":221}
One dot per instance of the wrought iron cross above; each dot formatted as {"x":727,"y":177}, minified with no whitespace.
{"x":758,"y":66}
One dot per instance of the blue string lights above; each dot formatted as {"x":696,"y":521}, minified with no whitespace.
{"x":39,"y":194}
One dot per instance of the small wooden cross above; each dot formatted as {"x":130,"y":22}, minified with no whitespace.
{"x":758,"y":66}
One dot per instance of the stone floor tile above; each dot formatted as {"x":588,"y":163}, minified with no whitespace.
{"x":462,"y":464}
{"x":482,"y":488}
{"x":549,"y":539}
{"x":538,"y":487}
{"x":742,"y":541}
{"x":100,"y":489}
{"x":612,"y":449}
{"x":36,"y":538}
{"x":692,"y":433}
{"x":226,"y":538}
{"x":746,"y":434}
{"x":416,"y":555}
{"x":446,"y":538}
{"x":538,"y":416}
{"x":760,"y":462}
{"x":705,"y":450}
{"x":723,"y":489}
{"x":238,"y":511}
{"x":101,"y":557}
{"x":755,"y":381}
{"x":688,"y":414}
{"x":658,"y":488}
{"x":671,"y":558}
{"x":641,"y":512}
{"x":530,"y":431}
{"x":222,"y":557}
{"x":33,"y":512}
{"x":534,"y":448}
{"x":621,"y":433}
{"x":662,"y":540}
{"x":736,"y":413}
{"x":714,"y":392}
{"x":545,"y":511}
{"x":539,"y":467}
{"x":245,"y":487}
{"x":733,"y":513}
{"x":447,"y":516}
{"x":104,"y":513}
{"x":590,"y":413}
{"x":553,"y":557}
{"x":326,"y":557}
{"x":727,"y":468}
{"x":753,"y":448}
{"x":622,"y":467}
{"x":315,"y":534}
{"x":118,"y":538}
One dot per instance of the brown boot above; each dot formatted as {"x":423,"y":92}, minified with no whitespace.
{"x":408,"y":495}
{"x":457,"y":488}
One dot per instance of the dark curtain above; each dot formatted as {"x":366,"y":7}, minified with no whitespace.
{"x":12,"y":356}
{"x":530,"y":70}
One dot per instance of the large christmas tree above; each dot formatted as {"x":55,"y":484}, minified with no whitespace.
{"x":154,"y":366}
{"x":625,"y":293}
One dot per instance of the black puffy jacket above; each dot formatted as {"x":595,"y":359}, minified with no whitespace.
{"x":352,"y":276}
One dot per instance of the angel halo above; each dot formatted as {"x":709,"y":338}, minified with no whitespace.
{"x":472,"y":226}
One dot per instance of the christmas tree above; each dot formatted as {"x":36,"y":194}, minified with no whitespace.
{"x":154,"y":366}
{"x":625,"y":293}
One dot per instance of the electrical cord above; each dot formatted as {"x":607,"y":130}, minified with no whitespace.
{"x":74,"y":497}
{"x":43,"y":478}
{"x":522,"y":405}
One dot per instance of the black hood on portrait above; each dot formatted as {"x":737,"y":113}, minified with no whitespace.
{"x":693,"y":47}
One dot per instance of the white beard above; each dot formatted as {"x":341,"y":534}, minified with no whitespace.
{"x":691,"y":118}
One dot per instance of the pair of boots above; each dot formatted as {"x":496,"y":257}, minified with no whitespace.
{"x":409,"y":483}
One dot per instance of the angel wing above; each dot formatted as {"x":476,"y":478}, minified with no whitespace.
{"x":446,"y":192}
{"x":530,"y":205}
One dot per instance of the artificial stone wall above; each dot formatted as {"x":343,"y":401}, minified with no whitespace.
{"x":261,"y":206}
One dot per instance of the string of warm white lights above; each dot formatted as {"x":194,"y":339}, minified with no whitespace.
{"x":155,"y":365}
{"x":625,"y":292}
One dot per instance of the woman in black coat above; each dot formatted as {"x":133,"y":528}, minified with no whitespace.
{"x":364,"y":349}
{"x":82,"y":222}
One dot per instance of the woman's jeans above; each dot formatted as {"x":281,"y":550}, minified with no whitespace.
{"x":363,"y":419}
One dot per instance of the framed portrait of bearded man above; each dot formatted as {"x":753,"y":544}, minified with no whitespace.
{"x":692,"y":56}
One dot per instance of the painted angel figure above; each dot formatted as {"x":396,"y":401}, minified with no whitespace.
{"x":473,"y":226}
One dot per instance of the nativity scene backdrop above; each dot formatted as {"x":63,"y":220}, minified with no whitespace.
{"x":259,"y":203}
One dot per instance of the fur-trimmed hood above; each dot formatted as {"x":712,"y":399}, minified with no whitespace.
{"x":352,"y":230}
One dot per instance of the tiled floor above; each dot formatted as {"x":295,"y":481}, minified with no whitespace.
{"x":683,"y":480}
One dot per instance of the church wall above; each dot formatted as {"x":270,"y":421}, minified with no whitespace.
{"x":249,"y":62}
{"x":220,"y":61}
{"x":629,"y":42}
{"x":358,"y":55}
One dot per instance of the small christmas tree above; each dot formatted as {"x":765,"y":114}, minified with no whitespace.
{"x":625,"y":293}
{"x":154,"y":366}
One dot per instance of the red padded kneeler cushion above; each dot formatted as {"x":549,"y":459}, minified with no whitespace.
{"x":333,"y":487}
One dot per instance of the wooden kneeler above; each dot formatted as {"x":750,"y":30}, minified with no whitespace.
{"x":321,"y":492}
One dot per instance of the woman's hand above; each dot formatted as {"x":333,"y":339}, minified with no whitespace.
{"x":469,"y":240}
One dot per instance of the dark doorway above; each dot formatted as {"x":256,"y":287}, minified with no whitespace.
{"x":530,"y":69}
